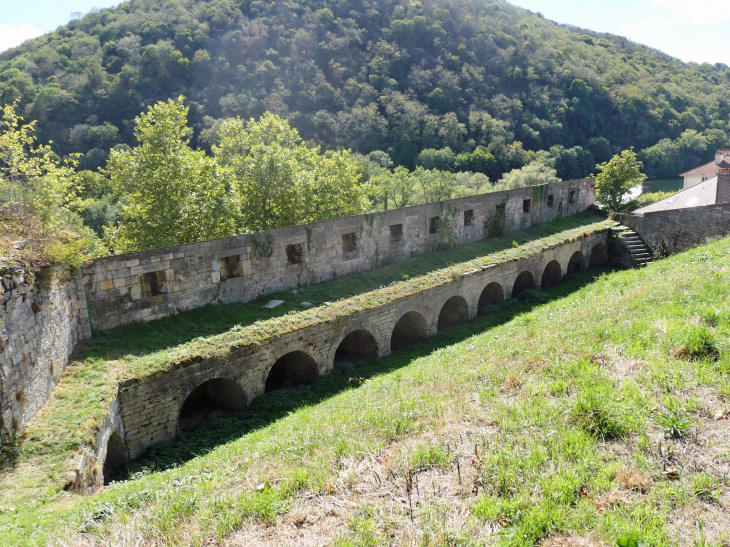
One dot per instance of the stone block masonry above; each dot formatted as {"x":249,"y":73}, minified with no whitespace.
{"x":150,"y":407}
{"x":152,"y":284}
{"x":39,"y":325}
{"x":678,"y":230}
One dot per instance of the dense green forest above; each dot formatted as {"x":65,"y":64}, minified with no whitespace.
{"x":477,"y":82}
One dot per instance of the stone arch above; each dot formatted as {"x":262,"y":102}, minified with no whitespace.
{"x":598,"y":255}
{"x":454,"y":312}
{"x":523,"y":282}
{"x":576,"y":262}
{"x":213,"y":399}
{"x":357,"y":347}
{"x":492,"y":294}
{"x":296,"y":367}
{"x":552,"y":275}
{"x":410,"y":329}
{"x":116,"y":456}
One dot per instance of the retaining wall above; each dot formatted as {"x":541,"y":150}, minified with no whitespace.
{"x":152,"y":284}
{"x":677,"y":230}
{"x":150,"y":407}
{"x":39,"y":316}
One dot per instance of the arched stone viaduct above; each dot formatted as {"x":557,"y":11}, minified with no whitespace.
{"x":150,"y":407}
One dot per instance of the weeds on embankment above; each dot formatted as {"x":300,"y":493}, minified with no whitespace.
{"x":539,"y":423}
{"x":70,"y":420}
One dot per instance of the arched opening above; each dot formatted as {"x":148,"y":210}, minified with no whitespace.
{"x":410,"y":329}
{"x":116,"y":456}
{"x":576,"y":262}
{"x":492,"y":294}
{"x":523,"y":282}
{"x":552,"y":275}
{"x":598,"y":255}
{"x":216,"y":398}
{"x":357,"y":347}
{"x":454,"y":312}
{"x":293,"y":368}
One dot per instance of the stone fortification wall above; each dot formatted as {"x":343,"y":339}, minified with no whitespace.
{"x":152,"y":284}
{"x":150,"y":407}
{"x":39,"y":318}
{"x":677,"y":230}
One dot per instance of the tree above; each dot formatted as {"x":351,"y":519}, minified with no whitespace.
{"x":168,"y":193}
{"x":617,"y":177}
{"x":442,"y":159}
{"x":435,"y":185}
{"x":34,"y":183}
{"x":276,"y":180}
{"x":35,"y":189}
{"x":394,"y":189}
{"x":531,"y":174}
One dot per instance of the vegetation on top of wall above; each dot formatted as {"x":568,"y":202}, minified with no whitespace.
{"x":37,"y":228}
{"x":595,"y":413}
{"x":77,"y":407}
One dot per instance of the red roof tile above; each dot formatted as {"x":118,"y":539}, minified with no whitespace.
{"x":709,"y":169}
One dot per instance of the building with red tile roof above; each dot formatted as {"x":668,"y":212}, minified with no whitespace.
{"x":709,"y":170}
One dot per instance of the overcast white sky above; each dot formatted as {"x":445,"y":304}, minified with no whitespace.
{"x":692,"y":30}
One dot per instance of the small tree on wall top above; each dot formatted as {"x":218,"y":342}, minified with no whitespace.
{"x":617,"y":177}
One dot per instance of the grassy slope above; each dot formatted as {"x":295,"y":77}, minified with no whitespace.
{"x":557,"y":411}
{"x":79,"y":404}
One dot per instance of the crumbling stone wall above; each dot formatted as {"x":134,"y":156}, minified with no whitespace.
{"x":677,"y":230}
{"x":150,"y":406}
{"x":152,"y":284}
{"x":39,"y":317}
{"x":85,"y":473}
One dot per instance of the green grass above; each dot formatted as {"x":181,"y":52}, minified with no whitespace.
{"x":72,"y":417}
{"x":542,"y":402}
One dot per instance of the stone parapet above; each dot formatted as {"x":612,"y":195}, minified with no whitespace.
{"x":677,"y":230}
{"x":152,"y":284}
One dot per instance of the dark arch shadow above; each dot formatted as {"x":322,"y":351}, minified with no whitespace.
{"x":454,"y":312}
{"x":524,"y":282}
{"x":552,"y":275}
{"x":576,"y":263}
{"x":116,"y":457}
{"x":357,"y":347}
{"x":274,"y":406}
{"x":492,"y":295}
{"x":599,"y":256}
{"x":296,"y":367}
{"x":213,"y":399}
{"x":410,"y":329}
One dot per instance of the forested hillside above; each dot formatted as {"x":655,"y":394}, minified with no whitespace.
{"x":372,"y":75}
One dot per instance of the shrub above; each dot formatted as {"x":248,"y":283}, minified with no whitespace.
{"x":597,"y":414}
{"x":694,"y":343}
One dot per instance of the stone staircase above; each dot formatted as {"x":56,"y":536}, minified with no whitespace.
{"x":640,"y":253}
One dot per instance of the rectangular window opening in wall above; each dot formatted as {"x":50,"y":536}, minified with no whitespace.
{"x":396,"y":233}
{"x":526,"y":203}
{"x":571,"y":198}
{"x":501,"y":210}
{"x":551,"y":201}
{"x":349,"y":243}
{"x":433,"y":225}
{"x":230,"y":267}
{"x":469,"y":217}
{"x":294,"y":254}
{"x":153,"y":283}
